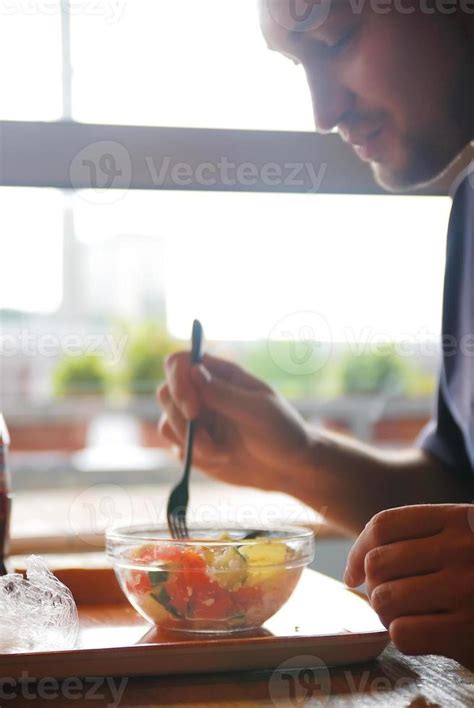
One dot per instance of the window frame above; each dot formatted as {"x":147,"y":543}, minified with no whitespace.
{"x":40,"y":154}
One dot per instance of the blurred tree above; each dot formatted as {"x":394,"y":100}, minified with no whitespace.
{"x":374,"y":372}
{"x":80,"y":375}
{"x":147,"y":347}
{"x":271,"y":361}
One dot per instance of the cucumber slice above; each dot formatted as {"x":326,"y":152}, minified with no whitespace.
{"x":158,"y":576}
{"x":228,"y":568}
{"x":164,"y":599}
{"x":154,"y":609}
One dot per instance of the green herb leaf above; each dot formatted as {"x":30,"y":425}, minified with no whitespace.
{"x":158,"y":576}
{"x":164,"y":599}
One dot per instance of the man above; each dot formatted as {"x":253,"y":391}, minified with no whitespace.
{"x":395,"y":80}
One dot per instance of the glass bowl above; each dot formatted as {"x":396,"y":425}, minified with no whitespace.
{"x":215,"y":581}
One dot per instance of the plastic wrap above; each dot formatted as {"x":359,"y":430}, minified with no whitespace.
{"x":37,"y":613}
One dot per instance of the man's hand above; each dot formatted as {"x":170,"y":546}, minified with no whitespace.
{"x":246,"y":433}
{"x":418,"y":563}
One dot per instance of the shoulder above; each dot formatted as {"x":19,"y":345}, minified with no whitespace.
{"x":463,"y":185}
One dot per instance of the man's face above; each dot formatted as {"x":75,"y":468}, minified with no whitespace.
{"x":398,"y":87}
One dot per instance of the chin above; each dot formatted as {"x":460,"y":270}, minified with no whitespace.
{"x":414,"y":175}
{"x":396,"y":181}
{"x":419,"y":166}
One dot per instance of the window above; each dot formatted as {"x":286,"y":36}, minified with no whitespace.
{"x":245,"y":261}
{"x":188,"y":64}
{"x":31,"y":223}
{"x":153,"y":98}
{"x":255,"y":268}
{"x":30,"y":54}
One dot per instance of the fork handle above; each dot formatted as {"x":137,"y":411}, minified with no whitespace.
{"x":196,"y":354}
{"x":196,"y":342}
{"x":189,"y":449}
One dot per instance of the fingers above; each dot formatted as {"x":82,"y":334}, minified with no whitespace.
{"x":172,"y":428}
{"x":178,"y":378}
{"x":422,"y":595}
{"x":429,"y":634}
{"x":233,"y":373}
{"x":390,"y":526}
{"x":166,"y":435}
{"x":417,"y":562}
{"x":205,"y":451}
{"x":208,"y":451}
{"x":174,"y":416}
{"x":402,"y":560}
{"x":232,"y":401}
{"x":222,"y":385}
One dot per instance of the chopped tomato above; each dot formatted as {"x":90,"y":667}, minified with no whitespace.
{"x":189,"y":580}
{"x":144,"y":554}
{"x":194,"y":568}
{"x":209,"y":601}
{"x":138,"y":582}
{"x":171,"y":554}
{"x":247,"y":596}
{"x":178,"y":593}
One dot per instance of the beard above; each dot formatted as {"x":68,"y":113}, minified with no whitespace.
{"x":428,"y":153}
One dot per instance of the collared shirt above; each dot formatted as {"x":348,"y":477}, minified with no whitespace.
{"x":449,"y":436}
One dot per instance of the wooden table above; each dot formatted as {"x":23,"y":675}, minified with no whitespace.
{"x":394,"y":681}
{"x":73,"y":520}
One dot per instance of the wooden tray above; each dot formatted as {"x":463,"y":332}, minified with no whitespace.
{"x":322,"y":619}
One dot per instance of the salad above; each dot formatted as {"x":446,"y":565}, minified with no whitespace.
{"x":210,"y":587}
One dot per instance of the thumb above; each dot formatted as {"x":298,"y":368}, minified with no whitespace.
{"x":234,"y":402}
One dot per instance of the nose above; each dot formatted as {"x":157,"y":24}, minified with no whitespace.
{"x":331,"y":99}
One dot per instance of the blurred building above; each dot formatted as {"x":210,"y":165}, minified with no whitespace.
{"x":125,"y":278}
{"x":116,"y":279}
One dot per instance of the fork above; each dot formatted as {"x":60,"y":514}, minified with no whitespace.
{"x":179,"y":497}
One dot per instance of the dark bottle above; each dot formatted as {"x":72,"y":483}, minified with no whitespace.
{"x":5,"y":496}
